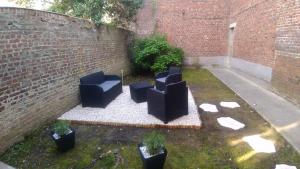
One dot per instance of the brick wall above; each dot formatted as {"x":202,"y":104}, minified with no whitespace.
{"x":199,"y":27}
{"x":42,"y":57}
{"x":266,"y":39}
{"x":146,"y":18}
{"x":255,"y":31}
{"x":286,"y":73}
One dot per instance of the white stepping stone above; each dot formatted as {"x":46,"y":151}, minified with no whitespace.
{"x":259,"y":144}
{"x":209,"y":108}
{"x":284,"y":166}
{"x":230,"y":123}
{"x":231,"y":105}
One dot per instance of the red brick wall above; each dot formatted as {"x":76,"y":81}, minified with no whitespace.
{"x":42,"y":57}
{"x":199,"y":27}
{"x":254,"y":35}
{"x":146,"y":18}
{"x":266,"y":33}
{"x":286,"y":73}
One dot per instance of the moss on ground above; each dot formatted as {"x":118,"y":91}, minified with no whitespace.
{"x":116,"y":147}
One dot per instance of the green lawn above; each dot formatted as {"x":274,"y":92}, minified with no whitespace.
{"x":211,"y":147}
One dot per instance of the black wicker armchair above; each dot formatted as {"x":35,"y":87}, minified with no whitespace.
{"x":173,"y":75}
{"x":98,"y":90}
{"x":170,"y":104}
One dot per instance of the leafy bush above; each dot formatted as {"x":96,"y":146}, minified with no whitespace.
{"x":155,"y":54}
{"x":154,"y":143}
{"x":61,"y":127}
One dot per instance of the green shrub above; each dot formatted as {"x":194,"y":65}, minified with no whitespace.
{"x":155,"y":54}
{"x":61,"y":127}
{"x":154,"y":142}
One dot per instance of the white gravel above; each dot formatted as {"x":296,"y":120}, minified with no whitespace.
{"x":125,"y":112}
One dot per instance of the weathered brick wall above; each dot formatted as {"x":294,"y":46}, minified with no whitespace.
{"x":146,"y":18}
{"x":199,"y":27}
{"x":286,"y":73}
{"x":266,"y":39}
{"x":254,"y":34}
{"x":42,"y":57}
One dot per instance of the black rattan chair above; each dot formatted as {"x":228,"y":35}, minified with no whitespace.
{"x":170,"y":104}
{"x":162,"y":79}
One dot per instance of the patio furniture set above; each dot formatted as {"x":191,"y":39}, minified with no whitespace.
{"x":167,"y":100}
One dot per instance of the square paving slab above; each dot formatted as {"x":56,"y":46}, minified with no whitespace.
{"x":125,"y":112}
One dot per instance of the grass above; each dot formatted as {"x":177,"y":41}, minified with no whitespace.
{"x":116,"y":147}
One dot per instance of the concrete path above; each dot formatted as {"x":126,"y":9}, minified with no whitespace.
{"x":281,"y":114}
{"x":5,"y":166}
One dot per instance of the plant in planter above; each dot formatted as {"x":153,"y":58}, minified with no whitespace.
{"x":63,"y":135}
{"x":153,"y":151}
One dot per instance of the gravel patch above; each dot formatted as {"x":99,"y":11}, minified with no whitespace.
{"x":125,"y":112}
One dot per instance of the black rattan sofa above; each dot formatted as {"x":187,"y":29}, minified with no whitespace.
{"x":173,"y":75}
{"x":170,"y":104}
{"x":98,"y":90}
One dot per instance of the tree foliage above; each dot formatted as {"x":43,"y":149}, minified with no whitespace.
{"x":31,"y":3}
{"x":120,"y":12}
{"x":25,"y":3}
{"x":87,"y":9}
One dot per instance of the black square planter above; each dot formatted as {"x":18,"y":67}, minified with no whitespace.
{"x":64,"y":142}
{"x":153,"y":162}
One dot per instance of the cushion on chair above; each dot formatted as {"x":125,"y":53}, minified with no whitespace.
{"x":140,"y":85}
{"x":109,"y":84}
{"x":94,"y":78}
{"x":173,"y":70}
{"x":163,"y":79}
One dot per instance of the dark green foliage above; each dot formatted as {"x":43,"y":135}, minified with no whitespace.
{"x":122,"y":12}
{"x":154,"y":142}
{"x":174,"y":57}
{"x":155,"y":54}
{"x":61,"y":127}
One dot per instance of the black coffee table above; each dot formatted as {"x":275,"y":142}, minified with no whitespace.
{"x":138,"y":91}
